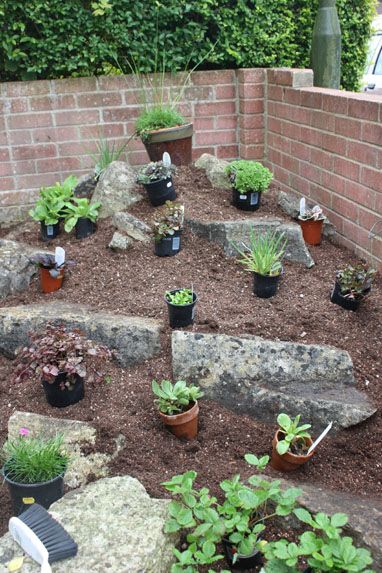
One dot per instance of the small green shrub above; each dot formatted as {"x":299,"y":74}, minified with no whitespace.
{"x":247,"y":176}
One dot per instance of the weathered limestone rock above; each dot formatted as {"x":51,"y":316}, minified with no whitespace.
{"x":85,"y":186}
{"x":263,"y":378}
{"x":134,"y":339}
{"x":290,"y":204}
{"x":227,"y":232}
{"x":120,"y":242}
{"x":215,"y":170}
{"x":131,"y":226}
{"x":116,"y":189}
{"x":15,"y":269}
{"x":76,"y":436}
{"x":118,"y":528}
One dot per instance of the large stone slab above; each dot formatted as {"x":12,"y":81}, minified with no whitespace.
{"x":225,"y":233}
{"x":116,"y":189}
{"x":16,"y":270}
{"x":77,"y":437}
{"x":262,"y":378}
{"x":133,"y":338}
{"x":118,"y":528}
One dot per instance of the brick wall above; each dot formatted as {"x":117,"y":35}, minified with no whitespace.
{"x":327,"y":145}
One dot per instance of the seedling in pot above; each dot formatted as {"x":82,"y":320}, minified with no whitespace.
{"x":181,"y":306}
{"x":294,"y":435}
{"x":81,"y":211}
{"x":181,"y":296}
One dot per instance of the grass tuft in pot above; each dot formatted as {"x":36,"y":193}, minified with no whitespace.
{"x":263,"y":258}
{"x":352,"y":285}
{"x":178,"y":406}
{"x":249,"y":179}
{"x":290,"y":444}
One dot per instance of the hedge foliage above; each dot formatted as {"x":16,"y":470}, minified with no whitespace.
{"x":60,"y":38}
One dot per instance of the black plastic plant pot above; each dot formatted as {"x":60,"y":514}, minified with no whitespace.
{"x":181,"y":314}
{"x":84,"y":228}
{"x":160,"y":191}
{"x":265,"y":286}
{"x":242,"y":563}
{"x":44,"y":493}
{"x":62,"y":398}
{"x":49,"y":232}
{"x":168,"y":246}
{"x":344,"y":301}
{"x":246,"y":201}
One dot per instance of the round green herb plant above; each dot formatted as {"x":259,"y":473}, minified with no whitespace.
{"x":264,"y":254}
{"x":249,"y":176}
{"x":175,"y":398}
{"x":181,"y":296}
{"x":34,"y":460}
{"x":292,"y":432}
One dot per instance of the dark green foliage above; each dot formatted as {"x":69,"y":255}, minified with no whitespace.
{"x":55,"y":38}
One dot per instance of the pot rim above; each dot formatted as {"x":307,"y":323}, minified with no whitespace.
{"x":174,"y":419}
{"x":311,"y":220}
{"x":295,"y":457}
{"x":176,"y":132}
{"x":181,"y":305}
{"x":270,"y":276}
{"x":244,"y":192}
{"x":31,"y":485}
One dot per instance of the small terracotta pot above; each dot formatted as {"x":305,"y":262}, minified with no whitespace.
{"x":311,"y":231}
{"x":287,"y":462}
{"x":184,"y":425}
{"x":49,"y":283}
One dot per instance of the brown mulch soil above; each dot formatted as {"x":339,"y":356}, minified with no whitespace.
{"x":134,"y":283}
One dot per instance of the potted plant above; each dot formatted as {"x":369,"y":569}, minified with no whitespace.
{"x":290,"y":444}
{"x":33,"y":469}
{"x":59,"y":358}
{"x":323,"y":549}
{"x":352,"y":285}
{"x":167,"y":230}
{"x":249,"y":179}
{"x":311,"y":222}
{"x":263,"y":259}
{"x":83,"y":216}
{"x":178,"y":407}
{"x":181,"y":306}
{"x":156,"y":178}
{"x":238,"y":522}
{"x":51,"y":272}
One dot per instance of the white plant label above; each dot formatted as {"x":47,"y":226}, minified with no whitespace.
{"x":175,"y":243}
{"x":49,"y":230}
{"x":59,"y":256}
{"x":320,"y":437}
{"x":169,"y":184}
{"x":193,"y":313}
{"x":254,"y":198}
{"x":166,"y":159}
{"x":302,"y":206}
{"x":243,"y":196}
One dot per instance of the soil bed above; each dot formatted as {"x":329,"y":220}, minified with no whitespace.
{"x":134,"y":283}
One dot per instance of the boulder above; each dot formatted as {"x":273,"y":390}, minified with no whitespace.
{"x":262,"y":377}
{"x":225,"y":233}
{"x":131,"y":226}
{"x":118,"y":528}
{"x":78,"y":436}
{"x":85,"y":186}
{"x":134,"y":339}
{"x":16,"y":270}
{"x":116,"y":189}
{"x":215,"y":170}
{"x":290,"y":204}
{"x":120,"y":242}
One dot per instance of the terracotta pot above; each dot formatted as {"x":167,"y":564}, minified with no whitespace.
{"x":49,"y":283}
{"x":287,"y":462}
{"x":177,"y":141}
{"x":311,"y":231}
{"x":184,"y":425}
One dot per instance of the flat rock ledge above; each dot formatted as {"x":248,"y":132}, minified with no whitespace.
{"x":262,"y":378}
{"x":134,"y":339}
{"x":225,"y":233}
{"x":117,"y":526}
{"x":77,"y":437}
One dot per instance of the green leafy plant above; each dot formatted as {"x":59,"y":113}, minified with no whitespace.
{"x":107,"y":152}
{"x":294,"y":435}
{"x":175,"y":398}
{"x":180,"y":296}
{"x":52,"y":200}
{"x":355,"y":282}
{"x":155,"y":171}
{"x":168,"y":220}
{"x":64,"y":190}
{"x":80,"y":208}
{"x":249,"y":176}
{"x":264,"y":253}
{"x":327,"y":550}
{"x":30,"y":460}
{"x":240,"y":519}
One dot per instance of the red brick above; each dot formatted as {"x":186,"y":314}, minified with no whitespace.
{"x":20,"y":137}
{"x":36,"y":181}
{"x":273,"y":124}
{"x":224,"y":92}
{"x":77,"y":117}
{"x":24,"y":167}
{"x":310,"y":172}
{"x":5,"y":169}
{"x":362,"y":153}
{"x":297,"y":114}
{"x":105,"y":129}
{"x":4,"y":154}
{"x":116,"y":83}
{"x":335,"y":101}
{"x":18,"y":105}
{"x":334,"y":143}
{"x":299,"y":184}
{"x":225,"y":122}
{"x":205,"y":123}
{"x":134,"y":97}
{"x":228,"y":151}
{"x":322,"y":159}
{"x":276,"y":92}
{"x":335,"y":218}
{"x":312,"y":136}
{"x":322,"y":120}
{"x":215,"y":137}
{"x":371,"y":178}
{"x":372,"y":132}
{"x":213,"y":77}
{"x":15,"y":89}
{"x":280,"y":76}
{"x":363,"y":108}
{"x":359,"y":194}
{"x":138,"y":158}
{"x":333,"y":182}
{"x":291,"y":130}
{"x":274,"y":155}
{"x":290,"y":163}
{"x":348,"y":169}
{"x":25,"y":120}
{"x":51,"y":102}
{"x":251,"y":121}
{"x":378,"y":203}
{"x":320,"y":195}
{"x":75,"y":85}
{"x":6,"y":183}
{"x":75,"y":148}
{"x":58,"y":165}
{"x":197,"y":93}
{"x":376,"y":249}
{"x":300,"y":150}
{"x":99,"y":100}
{"x":292,"y":96}
{"x":251,"y":91}
{"x":279,"y":142}
{"x":311,"y":98}
{"x":251,"y":136}
{"x":198,"y":151}
{"x":120,"y":114}
{"x":367,"y":218}
{"x":251,"y":75}
{"x":348,"y":127}
{"x":251,"y":106}
{"x":214,"y":108}
{"x":34,"y":151}
{"x":251,"y":151}
{"x":345,"y":208}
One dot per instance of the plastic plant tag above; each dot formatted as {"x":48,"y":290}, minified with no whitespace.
{"x":243,"y":197}
{"x":166,"y":159}
{"x":28,"y":500}
{"x":302,"y":207}
{"x":320,"y":437}
{"x":169,"y":184}
{"x":49,"y":230}
{"x":59,"y":256}
{"x":16,"y":564}
{"x":193,"y":313}
{"x":175,"y":243}
{"x":254,"y":198}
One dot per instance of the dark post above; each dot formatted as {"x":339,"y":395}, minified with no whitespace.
{"x":325,"y":57}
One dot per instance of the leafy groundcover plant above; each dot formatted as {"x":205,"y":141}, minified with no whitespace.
{"x":356,"y":281}
{"x":155,"y":171}
{"x":52,"y":200}
{"x":181,"y":296}
{"x":175,"y":398}
{"x":240,"y":518}
{"x":80,"y":208}
{"x":293,"y":435}
{"x":264,"y":254}
{"x":247,"y":176}
{"x":168,"y":220}
{"x":30,"y":460}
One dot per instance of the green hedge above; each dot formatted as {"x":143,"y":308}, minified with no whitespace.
{"x":61,"y":38}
